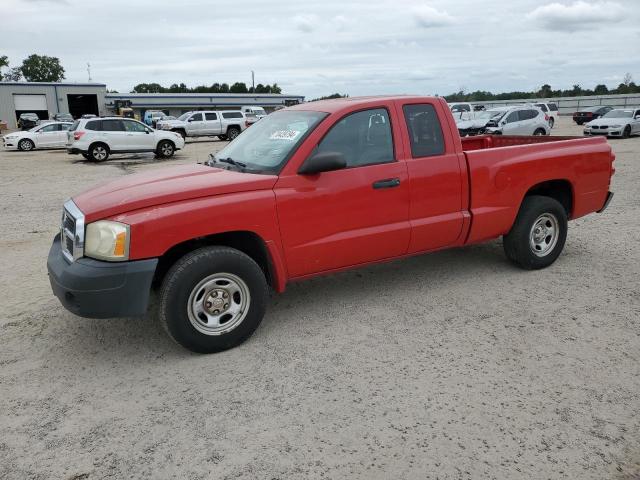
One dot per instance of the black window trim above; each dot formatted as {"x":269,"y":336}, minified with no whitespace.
{"x":444,"y":141}
{"x":393,"y":144}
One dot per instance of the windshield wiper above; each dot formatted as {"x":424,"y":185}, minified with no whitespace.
{"x":233,"y":162}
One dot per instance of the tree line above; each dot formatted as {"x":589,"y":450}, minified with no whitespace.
{"x":238,"y":87}
{"x":34,"y":68}
{"x":627,"y":86}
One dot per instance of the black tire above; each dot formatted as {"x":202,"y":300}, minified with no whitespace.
{"x":181,"y":289}
{"x":98,"y":152}
{"x":26,"y":145}
{"x":165,"y":149}
{"x":182,"y":133}
{"x":518,"y":243}
{"x":626,"y":133}
{"x":551,"y":122}
{"x":539,"y":132}
{"x":224,"y":138}
{"x":579,"y":123}
{"x":232,"y":133}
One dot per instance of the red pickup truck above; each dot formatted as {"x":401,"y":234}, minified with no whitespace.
{"x":310,"y":190}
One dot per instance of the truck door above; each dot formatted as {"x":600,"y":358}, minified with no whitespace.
{"x":211,"y":124}
{"x":350,"y":216}
{"x":195,"y":124}
{"x":435,"y":178}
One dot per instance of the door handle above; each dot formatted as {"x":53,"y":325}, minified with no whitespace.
{"x":387,"y":183}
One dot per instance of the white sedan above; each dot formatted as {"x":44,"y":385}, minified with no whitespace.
{"x":48,"y":135}
{"x":620,"y":122}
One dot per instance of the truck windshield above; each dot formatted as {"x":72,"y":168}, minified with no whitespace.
{"x":184,"y":116}
{"x":268,"y":144}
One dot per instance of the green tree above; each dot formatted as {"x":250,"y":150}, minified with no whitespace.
{"x":545,"y":91}
{"x":601,"y":89}
{"x":41,"y":68}
{"x":4,"y":62}
{"x":239,"y":87}
{"x":13,"y":75}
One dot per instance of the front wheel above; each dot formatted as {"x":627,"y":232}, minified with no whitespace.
{"x":626,"y":132}
{"x":26,"y":145}
{"x":213,"y":299}
{"x":538,"y":234}
{"x":165,"y":149}
{"x":232,"y":133}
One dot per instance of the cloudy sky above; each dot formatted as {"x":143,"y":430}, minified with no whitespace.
{"x":317,"y":47}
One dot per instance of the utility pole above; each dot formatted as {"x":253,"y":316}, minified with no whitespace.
{"x":253,"y":81}
{"x":89,"y":70}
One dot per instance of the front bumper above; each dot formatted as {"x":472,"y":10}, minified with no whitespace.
{"x":95,"y":289}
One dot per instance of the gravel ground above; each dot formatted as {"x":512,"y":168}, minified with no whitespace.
{"x":450,"y":365}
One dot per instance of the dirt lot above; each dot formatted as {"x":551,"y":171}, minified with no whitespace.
{"x":451,"y":365}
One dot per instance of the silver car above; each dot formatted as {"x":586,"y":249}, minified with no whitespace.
{"x":620,"y":122}
{"x":520,"y":120}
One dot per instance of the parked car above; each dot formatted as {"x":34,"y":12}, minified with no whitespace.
{"x":259,"y":112}
{"x":27,"y":121}
{"x":63,"y":117}
{"x":224,"y":124}
{"x":45,"y":135}
{"x":310,"y":190}
{"x":551,"y":110}
{"x":151,"y":117}
{"x":96,"y":139}
{"x":590,"y":113}
{"x":620,"y":122}
{"x":477,"y":126}
{"x":462,"y":111}
{"x":520,"y":120}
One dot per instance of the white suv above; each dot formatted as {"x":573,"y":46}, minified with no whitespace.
{"x":224,"y":124}
{"x":551,"y":110}
{"x":97,"y":138}
{"x":520,"y":120}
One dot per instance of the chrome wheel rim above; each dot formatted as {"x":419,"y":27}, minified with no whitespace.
{"x":218,"y":304}
{"x":166,"y":149}
{"x":99,"y":153}
{"x":544,"y":233}
{"x":25,"y":145}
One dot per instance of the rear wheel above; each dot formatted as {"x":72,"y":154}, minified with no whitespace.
{"x":213,"y":299}
{"x":26,"y":145}
{"x":165,"y":149}
{"x":99,"y":152}
{"x":540,"y":131}
{"x":538,"y":234}
{"x":232,"y":133}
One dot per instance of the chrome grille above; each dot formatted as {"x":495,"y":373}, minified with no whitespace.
{"x":72,"y":231}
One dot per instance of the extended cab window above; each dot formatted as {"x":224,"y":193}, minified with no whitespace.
{"x":425,"y":131}
{"x":364,"y":138}
{"x":210,"y":116}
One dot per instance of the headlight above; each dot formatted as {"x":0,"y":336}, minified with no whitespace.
{"x":615,"y":126}
{"x":107,"y":240}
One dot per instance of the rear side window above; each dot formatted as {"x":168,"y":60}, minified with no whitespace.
{"x":527,"y":114}
{"x":210,"y":116}
{"x":425,"y":131}
{"x":74,"y":126}
{"x":112,"y":126}
{"x":232,"y":115}
{"x":553,"y":107}
{"x":364,"y":138}
{"x":95,"y":125}
{"x":542,"y":107}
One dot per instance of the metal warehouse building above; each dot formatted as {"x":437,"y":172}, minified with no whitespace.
{"x":47,"y":99}
{"x":178,"y":103}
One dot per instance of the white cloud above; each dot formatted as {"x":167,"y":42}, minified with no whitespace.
{"x":578,"y":15}
{"x":305,"y":22}
{"x":426,"y":16}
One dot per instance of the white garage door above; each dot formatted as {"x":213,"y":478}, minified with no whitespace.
{"x":31,"y":103}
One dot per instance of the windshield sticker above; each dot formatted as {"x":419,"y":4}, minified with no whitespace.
{"x":285,"y":135}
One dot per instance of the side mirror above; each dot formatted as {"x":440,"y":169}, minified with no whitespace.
{"x":323,"y":162}
{"x":191,"y":119}
{"x":637,"y":117}
{"x":147,"y":130}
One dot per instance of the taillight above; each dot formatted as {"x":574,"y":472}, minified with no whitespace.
{"x":589,"y":114}
{"x":246,"y":123}
{"x":78,"y":135}
{"x":546,"y":117}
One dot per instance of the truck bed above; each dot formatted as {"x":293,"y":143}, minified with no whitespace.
{"x":503,"y":169}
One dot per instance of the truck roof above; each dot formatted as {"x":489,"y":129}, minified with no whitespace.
{"x":337,"y":104}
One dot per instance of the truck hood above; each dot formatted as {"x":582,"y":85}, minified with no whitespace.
{"x":168,"y":185}
{"x":609,"y":121}
{"x":172,"y":123}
